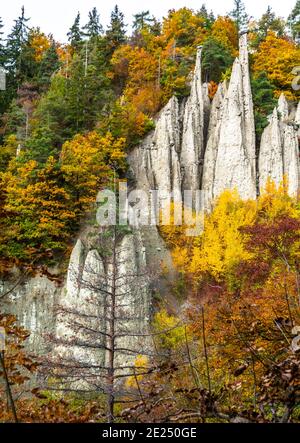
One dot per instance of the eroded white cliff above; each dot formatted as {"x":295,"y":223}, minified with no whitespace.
{"x":270,"y":154}
{"x":208,"y":177}
{"x":192,"y":146}
{"x":279,"y":149}
{"x":229,"y":160}
{"x":155,"y":163}
{"x":195,"y":145}
{"x":234,"y":166}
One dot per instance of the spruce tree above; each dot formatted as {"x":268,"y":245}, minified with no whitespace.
{"x":294,"y":22}
{"x":13,"y":59}
{"x":88,"y":90}
{"x":155,"y":27}
{"x":263,"y":100}
{"x":116,"y":33}
{"x":203,"y":12}
{"x":1,"y":32}
{"x":239,"y":14}
{"x":212,"y":17}
{"x":268,"y":22}
{"x":208,"y":18}
{"x":93,"y":28}
{"x":48,"y":65}
{"x":142,"y":20}
{"x":16,"y":41}
{"x":2,"y":47}
{"x":216,"y":60}
{"x":75,"y":34}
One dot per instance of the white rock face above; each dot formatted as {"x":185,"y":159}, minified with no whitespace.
{"x":279,"y":149}
{"x":249,"y":125}
{"x":195,"y":145}
{"x":133,"y":300}
{"x":156,"y":163}
{"x":283,"y":107}
{"x":91,"y":305}
{"x":170,"y":157}
{"x":93,"y":275}
{"x":192,"y":148}
{"x":233,"y":165}
{"x":82,"y":310}
{"x":270,"y":154}
{"x":230,"y":154}
{"x":210,"y":157}
{"x":291,"y":166}
{"x":75,"y":269}
{"x":33,"y":302}
{"x":297,"y":118}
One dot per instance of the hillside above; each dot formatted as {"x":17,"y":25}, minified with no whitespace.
{"x":194,"y":318}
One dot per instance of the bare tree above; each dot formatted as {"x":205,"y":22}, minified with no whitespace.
{"x":8,"y":391}
{"x":104,"y":328}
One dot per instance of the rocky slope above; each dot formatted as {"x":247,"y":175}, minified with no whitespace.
{"x":279,"y":149}
{"x":195,"y":145}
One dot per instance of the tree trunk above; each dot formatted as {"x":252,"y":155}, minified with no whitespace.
{"x":8,"y":389}
{"x":111,"y":338}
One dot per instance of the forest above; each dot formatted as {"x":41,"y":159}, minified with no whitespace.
{"x":224,"y":335}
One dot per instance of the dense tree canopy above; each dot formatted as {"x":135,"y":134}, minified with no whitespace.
{"x":113,"y":83}
{"x":70,"y":114}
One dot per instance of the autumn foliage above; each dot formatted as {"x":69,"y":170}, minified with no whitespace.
{"x":225,"y":329}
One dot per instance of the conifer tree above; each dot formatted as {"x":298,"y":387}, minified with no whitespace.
{"x":142,"y":20}
{"x":75,"y":34}
{"x":203,"y":11}
{"x":93,"y":28}
{"x":207,"y":17}
{"x":268,"y":22}
{"x":108,"y":321}
{"x":116,"y":33}
{"x":2,"y":49}
{"x":16,"y":40}
{"x":294,"y":21}
{"x":239,"y":13}
{"x":216,"y":59}
{"x":12,"y":57}
{"x":48,"y":65}
{"x":263,"y":100}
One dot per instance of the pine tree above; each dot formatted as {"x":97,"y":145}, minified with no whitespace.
{"x":28,"y":66}
{"x":294,"y":21}
{"x":1,"y":32}
{"x":142,"y":20}
{"x":268,"y":22}
{"x":216,"y":60}
{"x":155,"y":27}
{"x":13,"y":59}
{"x":207,"y":17}
{"x":263,"y":100}
{"x":203,"y":11}
{"x":75,"y":103}
{"x":48,"y":65}
{"x":88,"y":90}
{"x":116,"y":33}
{"x":239,"y":14}
{"x":93,"y":28}
{"x":16,"y":40}
{"x":75,"y":34}
{"x":212,"y":17}
{"x":2,"y":47}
